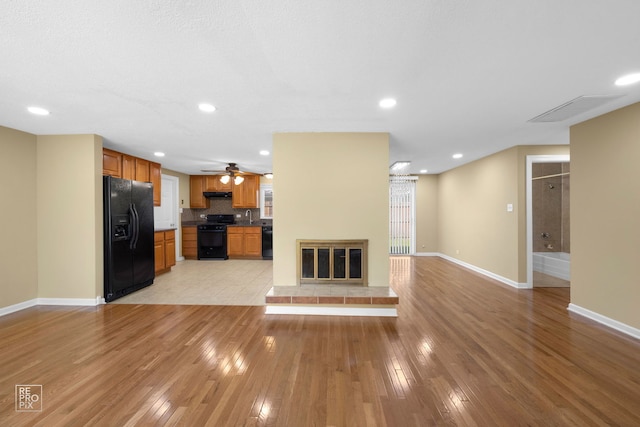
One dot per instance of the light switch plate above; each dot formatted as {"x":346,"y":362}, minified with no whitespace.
{"x":509,"y":207}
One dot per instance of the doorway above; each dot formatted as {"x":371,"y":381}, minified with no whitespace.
{"x":548,"y":231}
{"x":166,"y":215}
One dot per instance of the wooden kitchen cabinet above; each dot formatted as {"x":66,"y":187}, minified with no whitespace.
{"x":244,"y":242}
{"x":158,"y":250}
{"x":245,"y":195}
{"x":128,"y":167}
{"x":124,"y":166}
{"x":221,"y":186}
{"x":235,"y":241}
{"x":213,"y":183}
{"x":155,"y":176}
{"x":111,"y":163}
{"x":164,"y":245}
{"x":190,"y":242}
{"x":142,"y":170}
{"x":253,"y":241}
{"x":197,"y":184}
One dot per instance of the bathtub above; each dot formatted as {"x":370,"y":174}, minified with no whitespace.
{"x":556,"y":264}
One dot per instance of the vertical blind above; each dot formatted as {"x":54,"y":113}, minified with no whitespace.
{"x":402,"y":230}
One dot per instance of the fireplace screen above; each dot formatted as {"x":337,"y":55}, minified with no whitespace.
{"x":332,"y":261}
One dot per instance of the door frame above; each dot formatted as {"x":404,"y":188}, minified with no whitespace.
{"x":176,"y":211}
{"x":550,"y":158}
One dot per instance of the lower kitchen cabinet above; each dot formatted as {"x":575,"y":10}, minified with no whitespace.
{"x":190,"y":242}
{"x":165,"y":250}
{"x":244,"y":242}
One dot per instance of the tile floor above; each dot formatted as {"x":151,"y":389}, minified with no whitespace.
{"x":229,"y":282}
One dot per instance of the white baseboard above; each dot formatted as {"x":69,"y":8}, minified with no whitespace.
{"x":67,"y":301}
{"x":486,"y":273}
{"x":604,"y":320}
{"x":331,"y":311}
{"x":50,"y":301}
{"x":427,"y":254}
{"x":17,"y":307}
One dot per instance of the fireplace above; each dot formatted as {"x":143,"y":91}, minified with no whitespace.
{"x":332,"y":262}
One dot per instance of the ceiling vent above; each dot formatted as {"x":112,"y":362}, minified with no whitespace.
{"x":574,"y":107}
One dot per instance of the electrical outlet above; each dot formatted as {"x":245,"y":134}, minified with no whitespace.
{"x":203,"y":216}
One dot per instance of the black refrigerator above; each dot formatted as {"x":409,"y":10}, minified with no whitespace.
{"x":129,"y":262}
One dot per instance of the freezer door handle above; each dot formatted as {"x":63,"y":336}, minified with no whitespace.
{"x":135,"y":226}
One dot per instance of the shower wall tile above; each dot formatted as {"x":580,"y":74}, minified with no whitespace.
{"x":550,"y":198}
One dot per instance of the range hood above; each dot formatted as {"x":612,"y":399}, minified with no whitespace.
{"x":216,"y":194}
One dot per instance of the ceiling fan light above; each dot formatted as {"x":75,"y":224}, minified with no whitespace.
{"x":238,"y":180}
{"x":225,"y":179}
{"x":268,"y":175}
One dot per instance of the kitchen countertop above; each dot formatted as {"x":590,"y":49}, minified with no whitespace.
{"x":164,"y":229}
{"x":237,"y":224}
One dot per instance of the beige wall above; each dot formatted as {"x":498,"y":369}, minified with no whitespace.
{"x":18,"y":194}
{"x":69,"y":216}
{"x":605,"y":215}
{"x":330,"y":186}
{"x":427,"y":213}
{"x":474,"y":225}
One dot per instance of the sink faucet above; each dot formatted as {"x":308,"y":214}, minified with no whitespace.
{"x":248,"y":213}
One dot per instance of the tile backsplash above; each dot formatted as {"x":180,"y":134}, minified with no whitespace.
{"x":223,"y":206}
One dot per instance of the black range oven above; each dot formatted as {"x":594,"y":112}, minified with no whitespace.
{"x":212,"y":237}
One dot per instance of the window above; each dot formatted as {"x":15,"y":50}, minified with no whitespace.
{"x":266,"y":201}
{"x":402,"y":213}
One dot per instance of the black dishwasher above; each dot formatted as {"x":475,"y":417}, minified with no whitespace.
{"x":267,"y":242}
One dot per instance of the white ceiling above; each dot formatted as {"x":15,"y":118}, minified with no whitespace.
{"x":467,"y":75}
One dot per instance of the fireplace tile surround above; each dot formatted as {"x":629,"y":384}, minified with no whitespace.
{"x":331,"y":294}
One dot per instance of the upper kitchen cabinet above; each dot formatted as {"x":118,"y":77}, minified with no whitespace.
{"x":213,"y":183}
{"x":222,"y":186}
{"x":155,"y":174}
{"x":245,"y":195}
{"x":124,"y":166}
{"x":128,"y":167}
{"x":197,"y":185}
{"x":142,"y":170}
{"x":111,"y":163}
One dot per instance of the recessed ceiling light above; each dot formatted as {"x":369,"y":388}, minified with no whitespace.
{"x":207,"y":108}
{"x":158,"y":154}
{"x":457,"y":156}
{"x":423,"y":171}
{"x":39,"y":111}
{"x":388,"y":103}
{"x":264,"y":153}
{"x":629,"y":79}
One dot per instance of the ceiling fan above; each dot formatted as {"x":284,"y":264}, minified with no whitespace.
{"x":231,"y":171}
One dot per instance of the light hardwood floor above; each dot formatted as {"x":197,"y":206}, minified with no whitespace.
{"x":465,"y":350}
